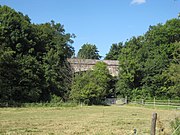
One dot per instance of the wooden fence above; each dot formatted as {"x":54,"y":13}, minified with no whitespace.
{"x":155,"y":102}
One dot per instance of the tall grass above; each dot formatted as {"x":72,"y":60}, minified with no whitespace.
{"x":175,"y":125}
{"x":58,"y":104}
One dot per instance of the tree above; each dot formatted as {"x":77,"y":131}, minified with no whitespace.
{"x":147,"y":63}
{"x":33,"y":59}
{"x":114,"y":52}
{"x":164,"y":34}
{"x":172,"y":73}
{"x":91,"y":87}
{"x":88,"y":51}
{"x":129,"y":73}
{"x":159,"y":48}
{"x":57,"y":70}
{"x":19,"y":68}
{"x":9,"y":75}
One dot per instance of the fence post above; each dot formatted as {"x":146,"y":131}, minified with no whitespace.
{"x":126,"y":100}
{"x":142,"y":101}
{"x":153,"y":124}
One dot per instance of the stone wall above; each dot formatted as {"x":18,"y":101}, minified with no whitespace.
{"x":79,"y":65}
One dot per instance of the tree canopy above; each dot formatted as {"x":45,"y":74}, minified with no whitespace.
{"x":114,"y":52}
{"x":34,"y":66}
{"x":88,"y":51}
{"x":33,"y":63}
{"x":149,"y":64}
{"x":91,"y":87}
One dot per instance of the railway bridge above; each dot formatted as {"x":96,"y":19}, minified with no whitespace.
{"x":79,"y":65}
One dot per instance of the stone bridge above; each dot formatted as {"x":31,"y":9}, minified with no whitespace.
{"x":87,"y":64}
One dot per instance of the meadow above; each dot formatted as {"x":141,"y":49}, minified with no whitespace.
{"x":84,"y":120}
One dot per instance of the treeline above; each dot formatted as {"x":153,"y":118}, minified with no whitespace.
{"x":33,"y":59}
{"x":150,"y":64}
{"x":34,"y":67}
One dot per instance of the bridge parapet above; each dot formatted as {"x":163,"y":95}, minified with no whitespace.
{"x":87,"y":64}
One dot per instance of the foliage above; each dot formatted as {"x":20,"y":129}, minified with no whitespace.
{"x":172,"y":73}
{"x":33,"y":64}
{"x":149,"y":64}
{"x":114,"y":52}
{"x":88,"y":51}
{"x":49,"y":104}
{"x":129,"y":72}
{"x":91,"y":87}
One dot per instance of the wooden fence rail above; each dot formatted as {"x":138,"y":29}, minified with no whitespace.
{"x":174,"y":103}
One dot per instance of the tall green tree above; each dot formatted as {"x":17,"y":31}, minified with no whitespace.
{"x":129,"y":73}
{"x":91,"y":87}
{"x":9,"y":77}
{"x":172,"y":74}
{"x":114,"y":52}
{"x":146,"y":63}
{"x":88,"y":51}
{"x":164,"y":33}
{"x":17,"y":41}
{"x":33,"y":59}
{"x":57,"y":70}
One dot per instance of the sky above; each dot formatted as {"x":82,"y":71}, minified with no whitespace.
{"x":99,"y":22}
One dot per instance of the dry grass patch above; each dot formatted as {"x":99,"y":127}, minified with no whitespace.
{"x":86,"y":120}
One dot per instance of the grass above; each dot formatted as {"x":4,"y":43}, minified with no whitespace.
{"x":86,"y":120}
{"x":164,"y":107}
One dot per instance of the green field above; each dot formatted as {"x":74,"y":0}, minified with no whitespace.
{"x":86,"y":120}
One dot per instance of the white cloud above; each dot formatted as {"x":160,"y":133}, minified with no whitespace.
{"x":138,"y":1}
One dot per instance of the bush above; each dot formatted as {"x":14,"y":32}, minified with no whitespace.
{"x":55,"y":99}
